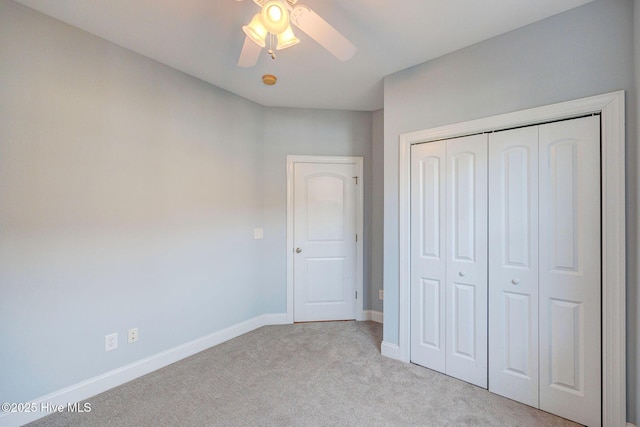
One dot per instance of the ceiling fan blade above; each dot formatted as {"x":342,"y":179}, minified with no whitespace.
{"x":320,"y":30}
{"x":250,"y":53}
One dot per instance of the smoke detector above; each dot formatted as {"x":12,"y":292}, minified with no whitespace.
{"x":269,"y":79}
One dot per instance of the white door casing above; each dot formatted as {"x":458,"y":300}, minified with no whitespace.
{"x":449,"y":261}
{"x":513,"y":264}
{"x":324,"y":216}
{"x":570,"y":269}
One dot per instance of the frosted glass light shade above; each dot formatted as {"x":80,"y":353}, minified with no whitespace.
{"x":256,"y":30}
{"x":275,"y":17}
{"x":287,"y":39}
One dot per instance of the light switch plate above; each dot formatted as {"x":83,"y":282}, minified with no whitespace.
{"x":258,"y":233}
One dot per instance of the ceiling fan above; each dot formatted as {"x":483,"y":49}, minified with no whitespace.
{"x":273,"y":22}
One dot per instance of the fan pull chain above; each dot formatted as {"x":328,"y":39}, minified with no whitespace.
{"x":270,"y":51}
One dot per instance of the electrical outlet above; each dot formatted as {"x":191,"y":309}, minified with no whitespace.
{"x":111,"y":342}
{"x":132,"y":336}
{"x":381,"y":294}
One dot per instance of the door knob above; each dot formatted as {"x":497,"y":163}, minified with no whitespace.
{"x":462,"y":273}
{"x":298,"y":250}
{"x":515,"y":281}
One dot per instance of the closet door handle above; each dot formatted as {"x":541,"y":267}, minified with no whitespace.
{"x":462,"y":273}
{"x":515,"y":281}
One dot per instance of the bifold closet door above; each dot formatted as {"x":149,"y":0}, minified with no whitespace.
{"x":570,"y":270}
{"x":545,"y":267}
{"x":428,"y":262}
{"x":513,"y":264}
{"x":466,"y":271}
{"x":449,"y":257}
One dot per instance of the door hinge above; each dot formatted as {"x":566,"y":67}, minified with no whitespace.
{"x":356,"y":178}
{"x":356,"y":237}
{"x":356,"y":294}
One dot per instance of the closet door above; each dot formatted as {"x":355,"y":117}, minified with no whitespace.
{"x":513,"y":264}
{"x":428,"y":255}
{"x":466,"y":259}
{"x":570,"y":270}
{"x":449,"y":257}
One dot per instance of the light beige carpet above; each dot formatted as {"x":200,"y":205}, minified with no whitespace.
{"x":311,"y":374}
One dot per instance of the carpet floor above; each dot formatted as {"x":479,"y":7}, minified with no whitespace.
{"x":309,"y":374}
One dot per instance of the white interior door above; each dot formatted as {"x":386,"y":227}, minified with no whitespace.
{"x":513,"y":264}
{"x":428,"y":254}
{"x":324,"y":241}
{"x":466,"y":270}
{"x":570,"y":270}
{"x":449,"y":257}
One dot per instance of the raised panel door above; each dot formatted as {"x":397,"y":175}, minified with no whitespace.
{"x":513,"y":264}
{"x":325,"y":231}
{"x":570,"y":270}
{"x":466,"y":259}
{"x":428,"y":189}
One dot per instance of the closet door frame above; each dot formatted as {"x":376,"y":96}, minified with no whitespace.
{"x":610,"y":106}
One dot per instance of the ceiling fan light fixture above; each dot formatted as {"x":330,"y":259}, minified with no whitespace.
{"x":275,"y":20}
{"x":275,"y":17}
{"x":256,"y":30}
{"x":287,"y":39}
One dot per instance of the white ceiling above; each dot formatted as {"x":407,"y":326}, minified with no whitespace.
{"x":203,"y":38}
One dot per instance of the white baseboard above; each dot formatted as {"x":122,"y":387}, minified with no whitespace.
{"x":391,"y":351}
{"x":373,"y":315}
{"x":119,"y":376}
{"x":276,"y":319}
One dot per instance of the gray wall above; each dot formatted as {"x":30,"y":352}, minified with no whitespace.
{"x":633,"y":187}
{"x":305,"y":132}
{"x":128,"y":197}
{"x":377,"y":209}
{"x":582,"y":52}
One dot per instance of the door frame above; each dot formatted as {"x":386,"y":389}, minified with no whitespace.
{"x":358,"y":161}
{"x":611,"y":108}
